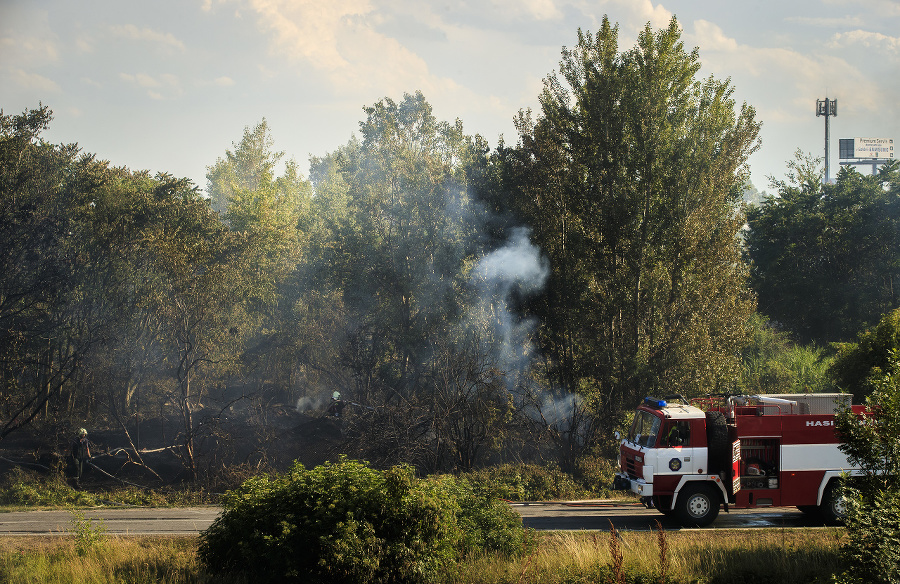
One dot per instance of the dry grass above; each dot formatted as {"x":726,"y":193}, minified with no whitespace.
{"x":706,"y":556}
{"x":796,"y":556}
{"x":120,"y":559}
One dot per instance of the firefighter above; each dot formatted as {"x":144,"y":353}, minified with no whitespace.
{"x":336,"y":408}
{"x":81,"y":452}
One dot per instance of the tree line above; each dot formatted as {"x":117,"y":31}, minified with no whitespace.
{"x":469,"y":304}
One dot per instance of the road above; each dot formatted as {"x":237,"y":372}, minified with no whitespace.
{"x":131,"y":521}
{"x":543,"y":516}
{"x":635,"y":517}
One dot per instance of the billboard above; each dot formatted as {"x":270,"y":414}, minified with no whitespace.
{"x":873,"y":148}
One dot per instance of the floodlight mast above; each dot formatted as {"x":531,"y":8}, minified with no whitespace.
{"x":826,"y":107}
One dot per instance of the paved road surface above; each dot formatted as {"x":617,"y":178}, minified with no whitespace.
{"x":634,"y":516}
{"x":133,"y":521}
{"x":561,"y":516}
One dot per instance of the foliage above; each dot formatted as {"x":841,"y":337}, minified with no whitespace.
{"x":393,"y":306}
{"x":27,"y":489}
{"x":772,"y":363}
{"x":527,"y":482}
{"x":346,"y":522}
{"x":824,"y":256}
{"x":410,"y":272}
{"x":857,"y":365}
{"x":631,"y":179}
{"x":872,"y":444}
{"x":88,"y":538}
{"x":23,"y":488}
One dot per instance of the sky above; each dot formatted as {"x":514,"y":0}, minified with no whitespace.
{"x":170,"y":85}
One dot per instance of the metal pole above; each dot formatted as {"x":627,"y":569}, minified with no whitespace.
{"x":827,"y":108}
{"x":827,"y":147}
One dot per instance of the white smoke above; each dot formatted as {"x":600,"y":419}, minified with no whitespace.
{"x":518,"y":265}
{"x":313,"y":402}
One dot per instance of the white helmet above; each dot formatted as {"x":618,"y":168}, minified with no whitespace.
{"x":336,"y":395}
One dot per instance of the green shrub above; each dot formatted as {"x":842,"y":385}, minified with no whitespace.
{"x":21,"y":487}
{"x":87,"y":537}
{"x":872,"y":548}
{"x":346,"y":522}
{"x":527,"y":482}
{"x":595,"y":474}
{"x":483,"y":521}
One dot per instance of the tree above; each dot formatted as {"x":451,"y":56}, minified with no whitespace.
{"x":47,"y":322}
{"x":824,"y":257}
{"x":857,"y":365}
{"x":872,"y":444}
{"x":631,"y":179}
{"x":395,"y":240}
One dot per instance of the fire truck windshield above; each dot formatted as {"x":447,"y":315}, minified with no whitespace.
{"x":644,"y":429}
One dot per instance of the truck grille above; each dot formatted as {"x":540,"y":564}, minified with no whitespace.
{"x":631,"y":467}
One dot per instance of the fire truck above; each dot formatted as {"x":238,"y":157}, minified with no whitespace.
{"x":689,"y":459}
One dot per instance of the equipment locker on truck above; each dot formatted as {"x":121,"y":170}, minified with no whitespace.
{"x":688,"y":459}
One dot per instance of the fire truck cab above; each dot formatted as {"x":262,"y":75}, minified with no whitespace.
{"x":688,"y":459}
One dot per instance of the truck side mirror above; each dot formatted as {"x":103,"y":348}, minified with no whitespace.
{"x":617,"y":435}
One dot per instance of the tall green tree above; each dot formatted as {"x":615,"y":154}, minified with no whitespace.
{"x":49,"y":321}
{"x":631,"y":179}
{"x":825,"y":258}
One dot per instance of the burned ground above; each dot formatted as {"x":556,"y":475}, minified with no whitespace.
{"x":229,"y":447}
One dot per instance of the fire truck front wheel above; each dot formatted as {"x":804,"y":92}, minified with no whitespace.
{"x":697,"y":505}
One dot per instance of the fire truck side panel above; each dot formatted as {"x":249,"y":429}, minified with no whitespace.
{"x":808,"y":430}
{"x":801,"y":487}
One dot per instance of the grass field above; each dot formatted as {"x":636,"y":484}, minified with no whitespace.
{"x":756,"y":556}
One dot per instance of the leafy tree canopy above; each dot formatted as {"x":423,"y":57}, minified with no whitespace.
{"x":826,"y":258}
{"x":631,"y":178}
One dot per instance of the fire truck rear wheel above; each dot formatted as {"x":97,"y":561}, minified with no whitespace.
{"x":833,"y":508}
{"x":697,"y":506}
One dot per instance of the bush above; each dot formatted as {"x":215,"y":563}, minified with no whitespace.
{"x":872,"y":548}
{"x":527,"y":482}
{"x":346,"y":522}
{"x":21,"y":487}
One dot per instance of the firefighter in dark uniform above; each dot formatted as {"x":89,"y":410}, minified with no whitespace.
{"x":81,"y":452}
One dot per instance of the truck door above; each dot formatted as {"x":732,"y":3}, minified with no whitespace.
{"x":675,"y":452}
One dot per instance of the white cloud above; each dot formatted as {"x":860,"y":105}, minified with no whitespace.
{"x":28,"y":51}
{"x":711,"y":38}
{"x":537,"y":9}
{"x":158,"y":87}
{"x":131,"y":32}
{"x":823,"y":22}
{"x":868,"y":40}
{"x":339,"y":39}
{"x":34,"y":82}
{"x":770,"y":72}
{"x":85,"y":44}
{"x":224,"y":81}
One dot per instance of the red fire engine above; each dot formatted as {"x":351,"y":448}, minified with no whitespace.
{"x":690,"y":459}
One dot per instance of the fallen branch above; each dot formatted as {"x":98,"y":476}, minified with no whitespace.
{"x":40,"y":466}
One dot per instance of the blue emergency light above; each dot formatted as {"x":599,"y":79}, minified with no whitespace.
{"x":654,"y":402}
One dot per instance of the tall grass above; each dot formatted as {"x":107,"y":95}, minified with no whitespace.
{"x":42,"y":560}
{"x":701,"y":557}
{"x":707,"y":557}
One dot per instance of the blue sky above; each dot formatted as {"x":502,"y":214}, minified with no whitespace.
{"x":169,"y":85}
